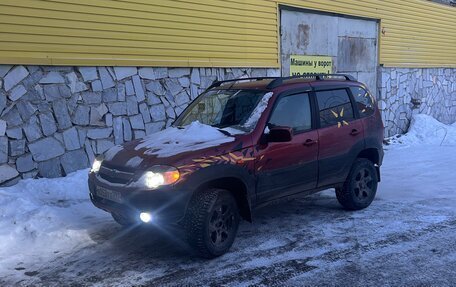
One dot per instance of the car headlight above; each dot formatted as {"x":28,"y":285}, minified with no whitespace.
{"x":158,"y":176}
{"x":96,"y":165}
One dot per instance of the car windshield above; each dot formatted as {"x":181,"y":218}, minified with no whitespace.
{"x":222,"y":109}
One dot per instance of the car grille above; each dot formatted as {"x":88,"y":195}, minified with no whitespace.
{"x":114,"y":175}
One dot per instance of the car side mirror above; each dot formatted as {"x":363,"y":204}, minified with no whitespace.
{"x":280,"y":134}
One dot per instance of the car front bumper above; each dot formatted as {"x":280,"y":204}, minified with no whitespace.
{"x":166,"y":204}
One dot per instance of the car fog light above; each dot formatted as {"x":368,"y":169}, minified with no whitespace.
{"x":96,"y":166}
{"x":145,"y":217}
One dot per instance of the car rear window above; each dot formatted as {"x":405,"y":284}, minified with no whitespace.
{"x":364,"y":101}
{"x":335,"y":108}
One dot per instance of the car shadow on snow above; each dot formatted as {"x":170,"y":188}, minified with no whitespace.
{"x":159,"y":255}
{"x":148,"y":240}
{"x":168,"y":242}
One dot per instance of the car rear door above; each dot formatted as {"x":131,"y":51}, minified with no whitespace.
{"x":370,"y":117}
{"x":284,"y":168}
{"x":340,"y":133}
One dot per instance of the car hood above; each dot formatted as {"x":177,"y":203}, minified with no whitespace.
{"x":175,"y":146}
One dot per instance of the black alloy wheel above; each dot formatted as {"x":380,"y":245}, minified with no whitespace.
{"x":363,"y":184}
{"x":211,"y":222}
{"x":360,"y":188}
{"x":221,"y":224}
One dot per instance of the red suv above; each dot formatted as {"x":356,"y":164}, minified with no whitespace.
{"x":240,"y":145}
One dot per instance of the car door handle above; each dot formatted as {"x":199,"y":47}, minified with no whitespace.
{"x":310,"y":142}
{"x":355,"y":132}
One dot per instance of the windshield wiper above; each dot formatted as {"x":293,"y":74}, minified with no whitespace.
{"x":227,"y":133}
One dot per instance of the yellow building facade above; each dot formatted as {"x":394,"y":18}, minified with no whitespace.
{"x":210,"y":33}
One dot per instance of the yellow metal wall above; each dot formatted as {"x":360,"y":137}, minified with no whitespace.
{"x":217,"y":33}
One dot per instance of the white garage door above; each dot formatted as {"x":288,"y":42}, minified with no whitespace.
{"x":352,"y":43}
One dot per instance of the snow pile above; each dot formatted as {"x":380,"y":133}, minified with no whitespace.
{"x":425,"y":130}
{"x":134,"y":161}
{"x":42,"y":217}
{"x":111,"y":153}
{"x":258,"y":111}
{"x":172,"y":140}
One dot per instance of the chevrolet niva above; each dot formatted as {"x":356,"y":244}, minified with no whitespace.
{"x":237,"y":147}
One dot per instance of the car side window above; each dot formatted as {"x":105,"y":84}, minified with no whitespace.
{"x":335,"y":108}
{"x":364,"y":101}
{"x":292,"y":111}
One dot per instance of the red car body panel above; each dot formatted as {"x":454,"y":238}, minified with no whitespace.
{"x":311,"y":161}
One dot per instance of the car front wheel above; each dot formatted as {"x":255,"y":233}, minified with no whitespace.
{"x":360,"y":188}
{"x":212,"y":222}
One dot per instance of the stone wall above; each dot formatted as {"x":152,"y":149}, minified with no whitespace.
{"x":404,"y":92}
{"x":55,"y":120}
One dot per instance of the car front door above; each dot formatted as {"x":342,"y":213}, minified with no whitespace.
{"x":284,"y":168}
{"x":340,"y":135}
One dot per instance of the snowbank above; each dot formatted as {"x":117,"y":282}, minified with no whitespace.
{"x":425,"y":130}
{"x":111,"y":153}
{"x":172,"y":140}
{"x":42,"y":217}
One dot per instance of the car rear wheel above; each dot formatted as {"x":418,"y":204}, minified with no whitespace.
{"x":211,"y":222}
{"x":360,"y":188}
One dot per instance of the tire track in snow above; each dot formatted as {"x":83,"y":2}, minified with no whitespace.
{"x":279,"y":265}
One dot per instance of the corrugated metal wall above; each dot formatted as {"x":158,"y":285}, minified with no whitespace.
{"x":223,"y":33}
{"x":139,"y":32}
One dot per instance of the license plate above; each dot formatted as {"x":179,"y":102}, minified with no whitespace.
{"x":109,"y":194}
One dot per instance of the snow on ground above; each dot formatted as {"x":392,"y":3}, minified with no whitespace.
{"x":43,"y":217}
{"x":50,"y":234}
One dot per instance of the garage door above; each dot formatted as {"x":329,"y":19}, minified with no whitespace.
{"x":351,"y":43}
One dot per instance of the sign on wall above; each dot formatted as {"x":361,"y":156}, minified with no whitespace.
{"x":309,"y":65}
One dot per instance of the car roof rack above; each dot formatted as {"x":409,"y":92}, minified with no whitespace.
{"x":219,"y":83}
{"x":277,"y":81}
{"x":319,"y":77}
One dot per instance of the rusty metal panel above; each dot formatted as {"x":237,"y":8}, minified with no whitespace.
{"x":352,"y":43}
{"x":356,"y":54}
{"x":306,"y":34}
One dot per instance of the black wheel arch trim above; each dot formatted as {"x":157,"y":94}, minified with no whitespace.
{"x":214,"y":176}
{"x":377,"y":161}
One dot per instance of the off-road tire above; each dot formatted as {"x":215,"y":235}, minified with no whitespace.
{"x":360,"y":188}
{"x":203,"y":227}
{"x":123,"y":220}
